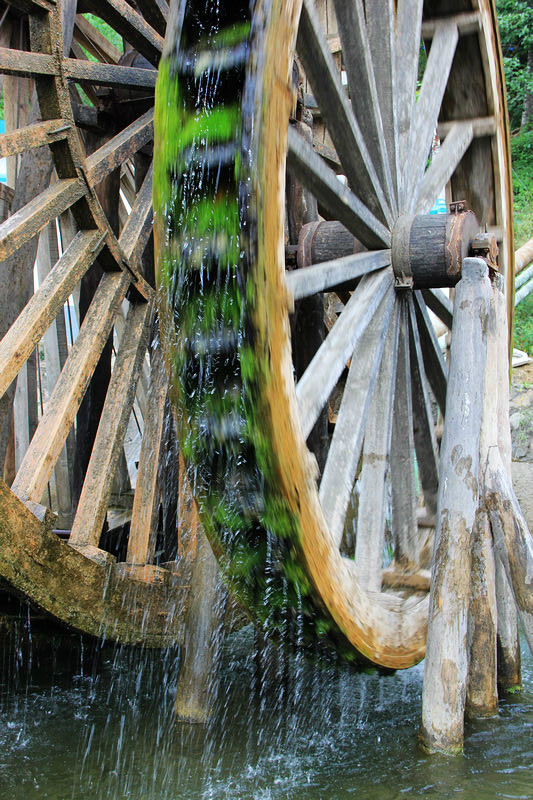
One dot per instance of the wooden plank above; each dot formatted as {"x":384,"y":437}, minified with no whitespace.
{"x":95,"y":42}
{"x":380,"y":18}
{"x":357,"y":59}
{"x":482,"y":693}
{"x":481,"y":126}
{"x":129,"y":23}
{"x":55,"y":355}
{"x":29,"y":327}
{"x":141,"y":542}
{"x":333,"y":195}
{"x":446,"y":667}
{"x":420,"y":581}
{"x":155,"y":13}
{"x":343,"y":127}
{"x":372,"y":481}
{"x":26,"y":64}
{"x":407,"y":543}
{"x":428,"y":105}
{"x":406,"y":50}
{"x":509,"y":661}
{"x":443,"y":165}
{"x":441,"y":305}
{"x":24,"y":224}
{"x":121,"y":147}
{"x":94,"y":498}
{"x":138,"y":227}
{"x":343,"y":457}
{"x":32,"y":6}
{"x":204,"y":628}
{"x":32,"y":136}
{"x":434,"y":364}
{"x":427,"y":453}
{"x":64,"y":402}
{"x":467,"y":22}
{"x":513,"y":542}
{"x":321,"y":277}
{"x":108,"y":74}
{"x":315,"y":385}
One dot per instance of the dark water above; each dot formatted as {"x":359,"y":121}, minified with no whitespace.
{"x":322,"y":734}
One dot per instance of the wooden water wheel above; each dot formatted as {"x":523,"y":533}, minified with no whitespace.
{"x":305,"y":369}
{"x":79,"y":126}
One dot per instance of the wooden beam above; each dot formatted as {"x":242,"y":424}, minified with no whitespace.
{"x":446,"y":668}
{"x":32,"y":136}
{"x":94,"y":498}
{"x":64,"y":402}
{"x":107,"y":74}
{"x":121,"y":147}
{"x":29,"y":327}
{"x":24,"y":224}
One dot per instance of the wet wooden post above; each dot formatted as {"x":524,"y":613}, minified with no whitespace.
{"x":446,"y":668}
{"x":508,"y":642}
{"x":204,"y":627}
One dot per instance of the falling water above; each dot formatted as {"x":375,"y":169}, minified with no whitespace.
{"x":104,"y":728}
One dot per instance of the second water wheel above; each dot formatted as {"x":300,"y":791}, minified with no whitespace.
{"x":304,"y":364}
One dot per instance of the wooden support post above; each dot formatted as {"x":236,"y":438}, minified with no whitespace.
{"x":482,"y":697}
{"x":204,"y":623}
{"x":446,"y":668}
{"x":508,"y":642}
{"x":482,"y":694}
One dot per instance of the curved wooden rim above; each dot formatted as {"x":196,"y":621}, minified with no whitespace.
{"x":84,"y":587}
{"x":388,"y":631}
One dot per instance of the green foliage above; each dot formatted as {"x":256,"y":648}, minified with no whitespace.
{"x":522,"y":158}
{"x":109,"y":32}
{"x":515,"y":18}
{"x":523,"y":325}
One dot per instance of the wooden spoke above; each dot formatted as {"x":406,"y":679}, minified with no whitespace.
{"x":155,"y":13}
{"x":315,"y":385}
{"x":424,"y":428}
{"x":402,"y":460}
{"x":434,"y":363}
{"x":374,"y":468}
{"x":138,"y":227}
{"x":343,"y":127}
{"x":428,"y":104}
{"x":343,"y":457}
{"x":109,"y":74}
{"x":33,"y":136}
{"x":95,"y":42}
{"x":406,"y":49}
{"x":23,"y":225}
{"x":380,"y":20}
{"x":28,"y":329}
{"x":364,"y":96}
{"x":440,"y":304}
{"x":25,"y":64}
{"x":323,"y":277}
{"x":94,"y":498}
{"x":141,"y":542}
{"x":135,"y":30}
{"x":121,"y":147}
{"x":308,"y":167}
{"x":64,"y":402}
{"x":444,"y":164}
{"x":32,"y":6}
{"x":467,"y":22}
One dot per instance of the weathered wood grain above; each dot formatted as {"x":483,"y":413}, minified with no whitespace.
{"x":63,"y":404}
{"x":119,"y":148}
{"x":45,"y":304}
{"x":446,"y":667}
{"x":94,"y":497}
{"x":345,"y":449}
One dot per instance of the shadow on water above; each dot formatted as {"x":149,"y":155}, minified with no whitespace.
{"x":106,"y":729}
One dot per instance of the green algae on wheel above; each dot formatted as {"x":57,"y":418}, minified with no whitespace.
{"x":227,"y":124}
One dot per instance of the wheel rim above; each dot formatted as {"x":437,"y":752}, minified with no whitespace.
{"x":135,"y":601}
{"x":280,"y":554}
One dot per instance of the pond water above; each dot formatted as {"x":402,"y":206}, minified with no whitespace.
{"x":106,"y":730}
